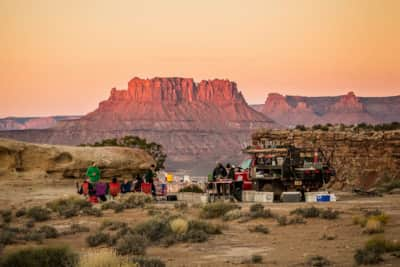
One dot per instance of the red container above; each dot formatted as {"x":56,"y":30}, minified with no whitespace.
{"x":146,"y":188}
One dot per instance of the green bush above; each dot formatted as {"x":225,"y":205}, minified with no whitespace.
{"x":148,"y":262}
{"x":192,"y":188}
{"x":131,"y":245}
{"x":40,"y":257}
{"x":258,"y":211}
{"x":232,"y":215}
{"x":30,"y":224}
{"x":92,"y":212}
{"x":374,"y":249}
{"x":34,"y":236}
{"x":282,"y":220}
{"x":329,"y":214}
{"x":113,"y":225}
{"x":6,"y":215}
{"x":39,"y":214}
{"x":7,"y":237}
{"x":116,"y":206}
{"x":259,"y":228}
{"x":97,"y":239}
{"x":217,"y":210}
{"x":137,"y":200}
{"x":21,"y":212}
{"x":48,"y":231}
{"x":311,"y":212}
{"x":206,"y":227}
{"x":153,"y":229}
{"x":256,"y":259}
{"x":76,"y":228}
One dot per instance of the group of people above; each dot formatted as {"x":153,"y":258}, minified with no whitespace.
{"x":96,"y":190}
{"x":221,"y":172}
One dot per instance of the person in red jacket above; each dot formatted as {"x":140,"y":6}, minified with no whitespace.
{"x":84,"y":188}
{"x":114,"y":187}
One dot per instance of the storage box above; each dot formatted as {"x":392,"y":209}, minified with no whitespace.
{"x":248,"y":196}
{"x":264,"y":197}
{"x":323,"y":198}
{"x":291,"y":197}
{"x":312,"y":196}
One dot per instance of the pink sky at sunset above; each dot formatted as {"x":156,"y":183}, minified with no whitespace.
{"x":63,"y":57}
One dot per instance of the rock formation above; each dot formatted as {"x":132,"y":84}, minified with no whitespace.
{"x":362,"y":159}
{"x":19,"y":158}
{"x":209,"y":120}
{"x":347,"y":109}
{"x":21,"y":123}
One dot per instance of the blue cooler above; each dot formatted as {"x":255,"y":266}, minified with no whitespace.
{"x":323,"y":198}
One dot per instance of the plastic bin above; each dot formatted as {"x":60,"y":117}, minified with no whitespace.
{"x":264,"y":197}
{"x":323,"y":198}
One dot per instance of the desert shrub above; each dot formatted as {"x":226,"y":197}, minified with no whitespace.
{"x":7,"y":237}
{"x":259,"y":228}
{"x":34,"y":236}
{"x":181,"y":205}
{"x":148,"y":262}
{"x":153,"y":229}
{"x":41,"y":257}
{"x":131,"y":245}
{"x":30,"y":224}
{"x":192,"y":188}
{"x":373,"y":227}
{"x":21,"y":212}
{"x":137,"y":200}
{"x":373,"y":250}
{"x":104,"y":258}
{"x":195,"y":236}
{"x":179,"y":226}
{"x":329,"y":214}
{"x":48,"y":231}
{"x":282,"y":220}
{"x":328,"y":237}
{"x":301,"y":127}
{"x":6,"y":215}
{"x":359,"y":220}
{"x":113,"y":225}
{"x":387,"y":187}
{"x":258,"y":211}
{"x":116,"y":206}
{"x":383,"y":218}
{"x":311,"y":212}
{"x":232,"y":215}
{"x":76,"y":228}
{"x":92,"y":212}
{"x":217,"y":209}
{"x":206,"y":227}
{"x":97,"y":239}
{"x":255,"y":258}
{"x":39,"y":214}
{"x":374,"y":212}
{"x":68,"y":207}
{"x":317,"y":261}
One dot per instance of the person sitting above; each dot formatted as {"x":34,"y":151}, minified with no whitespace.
{"x":126,"y":186}
{"x":84,"y":188}
{"x":138,"y":183}
{"x":114,"y":187}
{"x":101,"y":191}
{"x":218,"y":173}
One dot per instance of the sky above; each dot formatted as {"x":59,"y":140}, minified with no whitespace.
{"x":60,"y":57}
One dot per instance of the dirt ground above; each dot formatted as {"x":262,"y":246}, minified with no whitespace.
{"x":283,"y":246}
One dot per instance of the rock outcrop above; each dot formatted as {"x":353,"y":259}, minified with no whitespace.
{"x":27,"y":159}
{"x":347,"y":109}
{"x":362,"y":159}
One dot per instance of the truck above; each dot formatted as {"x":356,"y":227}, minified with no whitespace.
{"x":284,"y":168}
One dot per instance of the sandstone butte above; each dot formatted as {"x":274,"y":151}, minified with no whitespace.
{"x":361,"y":159}
{"x":346,"y":109}
{"x":197,"y":123}
{"x":34,"y":161}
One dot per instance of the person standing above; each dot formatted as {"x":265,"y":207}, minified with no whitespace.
{"x":218,"y":173}
{"x":150,"y":179}
{"x":93,"y":172}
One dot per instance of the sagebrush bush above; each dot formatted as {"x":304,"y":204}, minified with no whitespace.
{"x":153,"y":229}
{"x":373,"y":227}
{"x":259,"y":228}
{"x":6,"y":215}
{"x":137,"y":200}
{"x":373,"y":250}
{"x":76,"y":228}
{"x":90,"y":211}
{"x":206,"y":227}
{"x":179,"y":226}
{"x":48,"y":231}
{"x":255,"y":258}
{"x":97,"y":239}
{"x":131,"y":245}
{"x":329,"y":214}
{"x":311,"y":212}
{"x":40,"y":257}
{"x":359,"y":220}
{"x":217,"y":209}
{"x":232,"y":215}
{"x":68,"y":207}
{"x":113,"y":225}
{"x":116,"y":206}
{"x":30,"y":224}
{"x":7,"y":237}
{"x":39,"y":214}
{"x":34,"y":236}
{"x":282,"y":220}
{"x":181,"y":206}
{"x":192,"y":188}
{"x":21,"y":212}
{"x":148,"y":262}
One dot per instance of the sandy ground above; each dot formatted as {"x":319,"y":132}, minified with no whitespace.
{"x":283,"y":246}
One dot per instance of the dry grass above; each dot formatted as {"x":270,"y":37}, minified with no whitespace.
{"x":179,"y":226}
{"x":104,"y":258}
{"x":373,"y":226}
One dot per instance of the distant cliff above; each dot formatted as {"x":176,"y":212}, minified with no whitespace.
{"x":23,"y":123}
{"x":347,"y":109}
